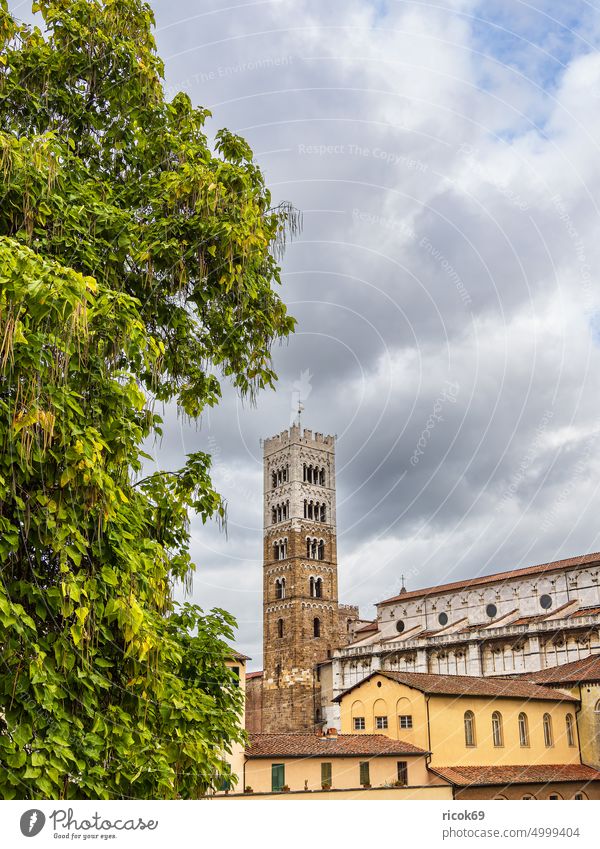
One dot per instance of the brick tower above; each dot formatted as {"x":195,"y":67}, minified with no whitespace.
{"x":300,"y":591}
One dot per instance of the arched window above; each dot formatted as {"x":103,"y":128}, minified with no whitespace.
{"x":280,"y":628}
{"x":304,"y":471}
{"x":278,"y":588}
{"x":321,"y":551}
{"x":313,"y":549}
{"x":310,"y":509}
{"x":322,"y":477}
{"x":311,"y":587}
{"x":316,"y":627}
{"x":523,"y":730}
{"x":323,"y":513}
{"x":276,"y":551}
{"x":497,"y":731}
{"x":570,"y":729}
{"x":305,"y":508}
{"x":308,"y":547}
{"x":469,"y":728}
{"x":318,"y":587}
{"x":277,"y":670}
{"x":548,"y":739}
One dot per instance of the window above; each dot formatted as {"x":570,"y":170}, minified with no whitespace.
{"x":318,"y":588}
{"x":364,"y":777}
{"x":405,"y":721}
{"x":321,"y":551}
{"x":280,"y":628}
{"x":359,"y":723}
{"x":523,"y":730}
{"x":491,"y":610}
{"x":316,"y":627}
{"x":545,"y":602}
{"x":326,"y":774}
{"x":528,"y":797}
{"x":580,"y":796}
{"x":381,"y":722}
{"x":554,"y":796}
{"x":469,"y":728}
{"x":443,"y":618}
{"x":570,"y":729}
{"x":402,"y":772}
{"x":279,"y":588}
{"x":236,"y":671}
{"x":277,"y":776}
{"x":323,"y":516}
{"x":548,"y":739}
{"x":399,"y":626}
{"x":497,"y":732}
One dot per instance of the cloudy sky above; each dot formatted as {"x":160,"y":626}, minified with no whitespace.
{"x":444,"y":156}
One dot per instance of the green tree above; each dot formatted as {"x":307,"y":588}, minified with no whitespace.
{"x":136,"y":265}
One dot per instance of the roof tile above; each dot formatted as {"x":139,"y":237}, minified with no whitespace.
{"x":309,"y":745}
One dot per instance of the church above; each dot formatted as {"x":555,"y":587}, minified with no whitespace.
{"x":516,"y":624}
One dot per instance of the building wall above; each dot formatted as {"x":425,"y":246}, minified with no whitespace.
{"x":236,"y":757}
{"x":438,"y":724}
{"x":566,"y":790}
{"x":305,"y":773}
{"x":254,"y":713}
{"x":588,"y":721}
{"x":427,"y":793}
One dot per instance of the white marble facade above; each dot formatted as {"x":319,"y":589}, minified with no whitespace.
{"x":519,"y":621}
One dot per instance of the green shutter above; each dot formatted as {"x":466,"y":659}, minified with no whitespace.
{"x":326,"y":773}
{"x":364,"y":772}
{"x":277,"y":776}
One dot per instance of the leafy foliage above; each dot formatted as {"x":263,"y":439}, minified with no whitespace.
{"x":135,"y":265}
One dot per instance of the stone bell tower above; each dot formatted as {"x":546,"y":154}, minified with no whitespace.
{"x":301,"y":624}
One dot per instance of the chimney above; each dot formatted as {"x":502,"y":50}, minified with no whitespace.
{"x":332,"y":732}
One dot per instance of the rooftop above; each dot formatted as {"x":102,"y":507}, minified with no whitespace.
{"x":569,"y":563}
{"x":469,"y":685}
{"x":585,"y":669}
{"x":466,"y":776}
{"x":340,"y":745}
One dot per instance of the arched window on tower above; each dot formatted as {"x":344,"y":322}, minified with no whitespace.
{"x":274,"y":515}
{"x":274,"y":479}
{"x":321,"y":550}
{"x":305,"y":508}
{"x":318,"y":587}
{"x":316,"y":627}
{"x":278,"y":589}
{"x":276,"y":551}
{"x":277,"y":670}
{"x":322,"y":477}
{"x":311,"y":587}
{"x":280,"y":628}
{"x":313,"y":549}
{"x":310,"y":509}
{"x":304,"y":472}
{"x":323,"y":513}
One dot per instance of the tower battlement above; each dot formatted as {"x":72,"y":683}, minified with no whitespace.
{"x":296,"y":435}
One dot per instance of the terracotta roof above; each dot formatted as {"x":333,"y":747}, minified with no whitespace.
{"x":570,"y":562}
{"x":464,"y":776}
{"x":585,"y":669}
{"x":342,"y":745}
{"x":469,"y":685}
{"x":585,"y":611}
{"x":370,"y":626}
{"x":258,"y":674}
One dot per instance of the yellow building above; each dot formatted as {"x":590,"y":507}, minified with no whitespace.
{"x":490,"y":737}
{"x":581,"y":679}
{"x":334,"y":764}
{"x":235,"y":758}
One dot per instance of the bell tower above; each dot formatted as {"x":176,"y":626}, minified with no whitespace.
{"x":300,"y":584}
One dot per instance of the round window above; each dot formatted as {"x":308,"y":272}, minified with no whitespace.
{"x":443,"y":618}
{"x":545,"y":602}
{"x":491,"y":610}
{"x":399,"y":626}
